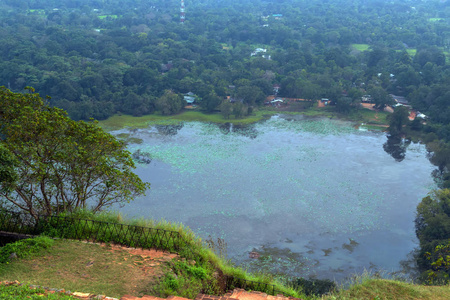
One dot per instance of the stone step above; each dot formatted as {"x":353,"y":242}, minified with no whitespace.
{"x":146,"y":297}
{"x":209,"y":297}
{"x":245,"y":295}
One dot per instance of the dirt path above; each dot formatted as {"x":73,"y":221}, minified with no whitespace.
{"x":147,"y":261}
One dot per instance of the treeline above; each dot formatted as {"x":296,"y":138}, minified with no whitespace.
{"x":98,"y":58}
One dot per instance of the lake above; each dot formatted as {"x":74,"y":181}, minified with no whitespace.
{"x":305,"y":197}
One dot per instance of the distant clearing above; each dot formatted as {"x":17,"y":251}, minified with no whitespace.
{"x":225,"y":46}
{"x":38,"y":11}
{"x":411,"y":52}
{"x":106,"y":16}
{"x":361,"y":47}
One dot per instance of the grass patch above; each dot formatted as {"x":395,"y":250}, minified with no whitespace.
{"x":107,"y":16}
{"x":74,"y":265}
{"x":82,"y":267}
{"x":358,"y":115}
{"x":373,"y":127}
{"x":435,"y":19}
{"x":38,"y":11}
{"x":361,"y":47}
{"x":24,"y":248}
{"x":126,"y":121}
{"x":366,"y":286}
{"x":367,"y":116}
{"x":109,"y":270}
{"x":226,"y":46}
{"x":19,"y":292}
{"x":411,"y":52}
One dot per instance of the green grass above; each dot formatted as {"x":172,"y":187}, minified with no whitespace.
{"x":368,"y":116}
{"x":127,"y":121}
{"x":435,"y":19}
{"x":361,"y":47}
{"x":64,"y":266}
{"x":373,"y":127}
{"x":20,"y":292}
{"x":81,"y":267}
{"x":39,"y":11}
{"x":106,"y":16}
{"x":96,"y":269}
{"x":411,"y":52}
{"x":24,"y":248}
{"x":367,"y":286}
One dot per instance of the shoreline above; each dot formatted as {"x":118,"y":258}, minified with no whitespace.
{"x":361,"y":117}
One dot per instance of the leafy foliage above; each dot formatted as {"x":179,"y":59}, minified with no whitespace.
{"x":440,"y":264}
{"x":19,"y":292}
{"x":24,"y":248}
{"x":397,"y":120}
{"x":433,"y":230}
{"x":8,"y":175}
{"x":61,"y":164}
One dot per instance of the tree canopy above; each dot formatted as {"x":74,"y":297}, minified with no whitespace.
{"x":433,"y":229}
{"x":56,"y":164}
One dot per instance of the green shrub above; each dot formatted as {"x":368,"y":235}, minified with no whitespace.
{"x":197,"y":272}
{"x":171,"y":282}
{"x":25,"y":248}
{"x":20,"y":292}
{"x":314,"y":286}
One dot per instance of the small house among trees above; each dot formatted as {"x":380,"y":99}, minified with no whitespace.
{"x":189,"y":98}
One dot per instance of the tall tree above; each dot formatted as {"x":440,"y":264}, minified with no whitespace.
{"x":398,"y":119}
{"x":170,"y":103}
{"x":61,"y":164}
{"x":433,"y":229}
{"x":380,"y":97}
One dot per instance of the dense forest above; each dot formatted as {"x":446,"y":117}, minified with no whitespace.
{"x":97,"y":58}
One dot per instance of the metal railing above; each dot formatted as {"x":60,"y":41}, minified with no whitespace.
{"x":108,"y":232}
{"x":91,"y":230}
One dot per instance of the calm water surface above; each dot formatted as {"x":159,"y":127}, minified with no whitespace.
{"x":311,"y":197}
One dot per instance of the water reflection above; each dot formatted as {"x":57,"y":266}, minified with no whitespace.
{"x":142,"y":157}
{"x":169,"y":129}
{"x":396,"y":146}
{"x":244,"y":130}
{"x":311,"y":197}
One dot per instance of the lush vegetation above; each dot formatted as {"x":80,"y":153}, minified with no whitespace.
{"x":99,"y":58}
{"x":19,"y":292}
{"x":198,"y":268}
{"x":52,"y":164}
{"x":184,"y":275}
{"x":105,"y":58}
{"x":433,"y":231}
